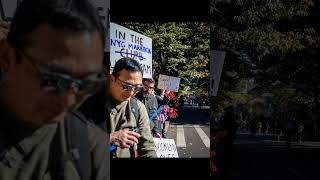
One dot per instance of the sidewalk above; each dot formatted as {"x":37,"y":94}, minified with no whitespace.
{"x":246,"y":137}
{"x":187,"y":105}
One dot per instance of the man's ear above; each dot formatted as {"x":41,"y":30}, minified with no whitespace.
{"x":7,"y":55}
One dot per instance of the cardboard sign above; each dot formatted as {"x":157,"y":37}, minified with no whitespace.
{"x":127,"y":43}
{"x":169,"y":83}
{"x":165,"y":148}
{"x":216,"y":65}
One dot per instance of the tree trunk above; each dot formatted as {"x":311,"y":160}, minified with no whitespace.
{"x":316,"y":111}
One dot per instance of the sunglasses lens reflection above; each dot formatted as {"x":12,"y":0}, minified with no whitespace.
{"x":129,"y":87}
{"x":57,"y":84}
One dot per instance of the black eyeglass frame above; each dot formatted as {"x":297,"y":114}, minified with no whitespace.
{"x":61,"y":82}
{"x":130,"y":87}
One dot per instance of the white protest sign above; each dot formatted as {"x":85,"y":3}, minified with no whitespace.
{"x":216,"y":66}
{"x":103,"y":8}
{"x":127,"y":43}
{"x":165,"y":148}
{"x":169,"y":83}
{"x":7,"y":8}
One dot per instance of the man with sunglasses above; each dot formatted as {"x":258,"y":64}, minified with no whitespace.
{"x":147,"y":97}
{"x":50,"y":63}
{"x":125,"y":82}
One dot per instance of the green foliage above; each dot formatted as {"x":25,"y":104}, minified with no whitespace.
{"x":281,"y":38}
{"x":180,"y":50}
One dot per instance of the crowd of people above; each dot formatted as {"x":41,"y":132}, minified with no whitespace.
{"x":64,"y":115}
{"x":285,"y":125}
{"x":51,"y":61}
{"x":200,"y":100}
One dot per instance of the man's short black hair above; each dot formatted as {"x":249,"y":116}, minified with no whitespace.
{"x":74,"y":15}
{"x":148,"y":80}
{"x":128,"y":64}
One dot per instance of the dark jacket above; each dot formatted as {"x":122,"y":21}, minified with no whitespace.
{"x":33,"y":156}
{"x":120,"y":118}
{"x":151,"y":103}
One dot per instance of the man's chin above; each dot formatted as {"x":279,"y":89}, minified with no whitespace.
{"x":125,"y":98}
{"x":56,"y":119}
{"x":122,"y":99}
{"x":60,"y":117}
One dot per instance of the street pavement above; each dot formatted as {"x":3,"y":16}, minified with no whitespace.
{"x":191,"y":133}
{"x":263,"y":157}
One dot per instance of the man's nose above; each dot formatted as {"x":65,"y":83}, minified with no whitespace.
{"x":71,"y":96}
{"x":64,"y":100}
{"x":130,"y":92}
{"x":70,"y":99}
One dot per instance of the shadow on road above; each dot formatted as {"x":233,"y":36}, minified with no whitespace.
{"x":193,"y":115}
{"x":259,"y":158}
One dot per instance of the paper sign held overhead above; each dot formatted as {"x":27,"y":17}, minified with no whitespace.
{"x":165,"y":148}
{"x":169,"y":83}
{"x":127,"y":43}
{"x":7,"y":8}
{"x":103,"y":8}
{"x":216,"y":66}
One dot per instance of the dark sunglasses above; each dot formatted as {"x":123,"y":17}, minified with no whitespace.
{"x":60,"y":83}
{"x":130,"y":87}
{"x":148,"y":87}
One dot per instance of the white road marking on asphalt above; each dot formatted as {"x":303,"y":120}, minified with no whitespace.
{"x":205,"y":139}
{"x":181,"y":142}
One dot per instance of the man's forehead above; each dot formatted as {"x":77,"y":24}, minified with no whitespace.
{"x":57,"y":34}
{"x":130,"y":74}
{"x":63,"y":50}
{"x":133,"y":77}
{"x":148,"y":82}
